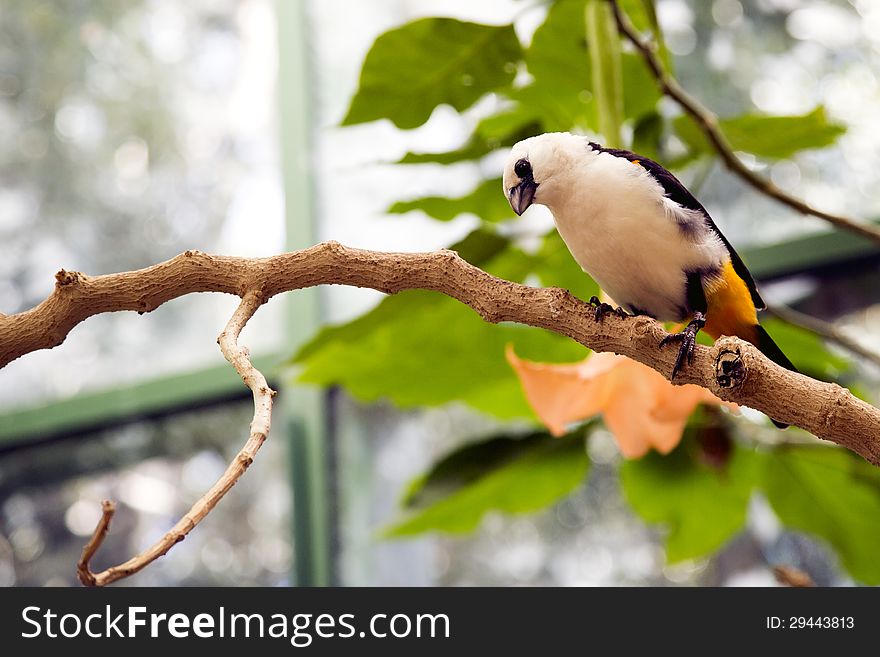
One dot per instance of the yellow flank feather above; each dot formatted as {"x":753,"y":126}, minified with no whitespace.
{"x":730,"y":307}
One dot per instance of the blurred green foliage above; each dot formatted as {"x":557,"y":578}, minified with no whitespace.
{"x":701,"y":505}
{"x":833,"y":494}
{"x":769,"y":137}
{"x":807,"y":351}
{"x":420,"y":348}
{"x":513,"y":475}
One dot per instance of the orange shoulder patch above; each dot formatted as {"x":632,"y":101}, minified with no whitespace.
{"x":731,"y":310}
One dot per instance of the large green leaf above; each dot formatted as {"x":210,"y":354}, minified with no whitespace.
{"x":509,"y":125}
{"x":700,"y":505}
{"x":513,"y":475}
{"x":640,"y":91}
{"x":465,"y":465}
{"x":831,"y":493}
{"x":487,"y":201}
{"x":422,"y":348}
{"x":560,"y":95}
{"x":412,"y":69}
{"x":772,"y":137}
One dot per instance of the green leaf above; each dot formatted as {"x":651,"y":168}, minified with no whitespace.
{"x":640,"y":91}
{"x":509,"y":126}
{"x":647,"y":133}
{"x":422,"y":348}
{"x":700,"y":506}
{"x":558,"y":112}
{"x":465,"y":465}
{"x":487,"y":201}
{"x":641,"y":14}
{"x":558,"y":61}
{"x":411,"y":69}
{"x":772,"y":137}
{"x":833,"y":494}
{"x":606,"y":68}
{"x":562,"y":95}
{"x":512,"y":475}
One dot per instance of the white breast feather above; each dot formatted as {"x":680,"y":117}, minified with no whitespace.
{"x":634,"y":241}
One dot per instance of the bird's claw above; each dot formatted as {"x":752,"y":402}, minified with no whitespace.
{"x":603,"y":309}
{"x":688,"y":339}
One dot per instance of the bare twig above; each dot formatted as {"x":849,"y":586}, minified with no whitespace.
{"x":86,"y":576}
{"x":708,"y":123}
{"x":238,"y":357}
{"x":828,"y":331}
{"x":793,"y":577}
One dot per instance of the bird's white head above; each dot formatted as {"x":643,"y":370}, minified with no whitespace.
{"x":539,"y":168}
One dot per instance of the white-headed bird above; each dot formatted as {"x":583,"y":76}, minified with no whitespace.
{"x":642,"y":236}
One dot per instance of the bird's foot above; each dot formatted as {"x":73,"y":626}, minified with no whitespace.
{"x":603,"y":309}
{"x":688,"y":339}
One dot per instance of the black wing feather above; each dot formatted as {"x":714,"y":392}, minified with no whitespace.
{"x":676,"y":191}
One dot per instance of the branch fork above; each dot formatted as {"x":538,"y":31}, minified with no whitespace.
{"x":239,"y":358}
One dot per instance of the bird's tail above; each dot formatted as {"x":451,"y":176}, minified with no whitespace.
{"x":765,"y":343}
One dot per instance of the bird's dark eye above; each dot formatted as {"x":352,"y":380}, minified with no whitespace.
{"x":522,"y":168}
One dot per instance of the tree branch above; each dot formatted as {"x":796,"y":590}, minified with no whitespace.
{"x":793,"y":577}
{"x":732,"y":369}
{"x":238,"y":357}
{"x":708,"y":123}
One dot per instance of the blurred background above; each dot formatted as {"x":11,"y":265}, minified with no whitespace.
{"x":131,"y":131}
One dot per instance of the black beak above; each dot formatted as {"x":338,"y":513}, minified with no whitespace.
{"x":522,"y":195}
